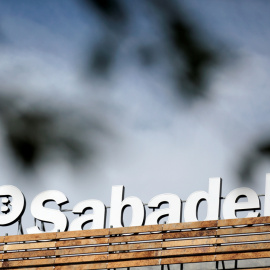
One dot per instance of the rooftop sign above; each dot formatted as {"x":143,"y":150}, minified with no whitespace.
{"x":13,"y":207}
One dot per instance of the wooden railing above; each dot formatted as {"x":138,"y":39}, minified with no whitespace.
{"x":180,"y":243}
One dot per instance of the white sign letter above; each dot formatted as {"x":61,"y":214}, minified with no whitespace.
{"x":118,"y":205}
{"x":97,"y":218}
{"x":231,"y":205}
{"x":17,"y":202}
{"x":173,"y":211}
{"x":267,"y":196}
{"x":46,"y":214}
{"x":212,"y":198}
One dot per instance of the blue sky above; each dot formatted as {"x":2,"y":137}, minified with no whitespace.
{"x":161,"y":146}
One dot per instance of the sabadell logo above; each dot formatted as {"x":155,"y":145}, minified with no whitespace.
{"x":13,"y":207}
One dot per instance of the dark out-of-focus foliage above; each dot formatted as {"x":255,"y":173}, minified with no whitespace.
{"x":182,"y":51}
{"x":189,"y":57}
{"x":35,"y":132}
{"x":259,"y":153}
{"x":32,"y":132}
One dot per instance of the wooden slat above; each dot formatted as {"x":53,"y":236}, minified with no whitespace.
{"x":133,"y":238}
{"x":133,"y":263}
{"x":82,"y":250}
{"x":34,"y":245}
{"x":188,"y":259}
{"x":189,"y":242}
{"x":256,"y":268}
{"x":82,"y":233}
{"x":188,"y":251}
{"x":82,"y":266}
{"x":241,"y":256}
{"x":190,"y":225}
{"x":188,"y":234}
{"x":135,"y":246}
{"x":28,"y":254}
{"x":243,"y":221}
{"x":136,"y":229}
{"x":241,"y":239}
{"x":21,"y":263}
{"x":36,"y":268}
{"x":29,"y":237}
{"x":244,"y":230}
{"x":263,"y":268}
{"x":133,"y":255}
{"x":245,"y":247}
{"x":81,"y":242}
{"x":79,"y":259}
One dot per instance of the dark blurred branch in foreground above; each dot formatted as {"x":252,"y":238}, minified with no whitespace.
{"x":35,"y":132}
{"x":174,"y":44}
{"x":189,"y":58}
{"x":253,"y":158}
{"x":189,"y":55}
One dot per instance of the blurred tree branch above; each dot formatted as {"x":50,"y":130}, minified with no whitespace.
{"x":190,"y":58}
{"x":179,"y":48}
{"x":34,"y":131}
{"x":258,"y":153}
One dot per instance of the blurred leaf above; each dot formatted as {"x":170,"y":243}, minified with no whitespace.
{"x":111,"y":9}
{"x":253,"y":158}
{"x":197,"y":59}
{"x":102,"y":58}
{"x":25,"y":136}
{"x":147,"y":55}
{"x":190,"y":58}
{"x":264,"y":149}
{"x":34,"y":132}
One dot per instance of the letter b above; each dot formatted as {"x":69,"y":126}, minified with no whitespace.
{"x":118,"y":205}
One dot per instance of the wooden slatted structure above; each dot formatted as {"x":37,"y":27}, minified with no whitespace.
{"x":206,"y":241}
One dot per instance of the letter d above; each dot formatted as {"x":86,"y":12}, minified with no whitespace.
{"x":212,"y":198}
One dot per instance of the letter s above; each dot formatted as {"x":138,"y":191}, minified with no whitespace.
{"x":46,"y":214}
